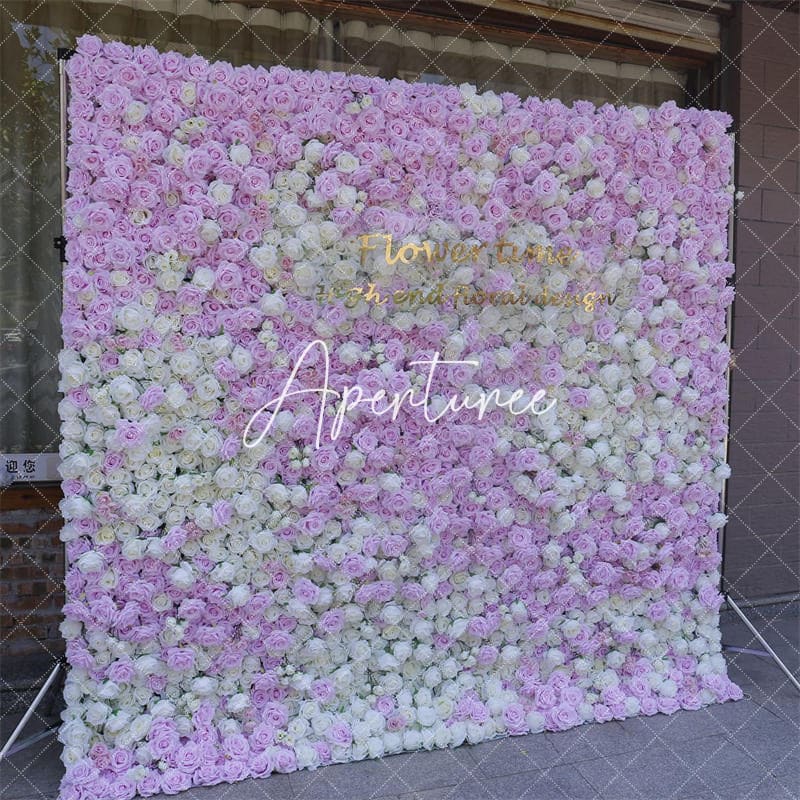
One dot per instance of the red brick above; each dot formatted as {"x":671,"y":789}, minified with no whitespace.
{"x":749,"y":207}
{"x":768,"y":301}
{"x":780,"y":271}
{"x":781,"y":143}
{"x":766,"y":109}
{"x":770,"y":489}
{"x":773,"y":171}
{"x":789,"y":328}
{"x":25,"y":604}
{"x":770,"y":34}
{"x":751,"y":67}
{"x":744,"y":330}
{"x":780,"y":206}
{"x":763,"y":236}
{"x":781,"y":76}
{"x":753,"y":459}
{"x":774,"y":345}
{"x":763,"y":427}
{"x":751,"y":139}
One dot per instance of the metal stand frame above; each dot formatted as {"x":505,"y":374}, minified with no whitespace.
{"x":59,"y":242}
{"x":8,"y":747}
{"x":767,"y":651}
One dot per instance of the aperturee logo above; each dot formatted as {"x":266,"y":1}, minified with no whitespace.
{"x":381,"y":403}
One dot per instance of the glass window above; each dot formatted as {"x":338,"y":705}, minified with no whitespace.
{"x":30,"y":286}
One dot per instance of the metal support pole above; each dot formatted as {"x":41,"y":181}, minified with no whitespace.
{"x":28,"y":714}
{"x":59,"y":243}
{"x":729,"y":343}
{"x":768,"y":650}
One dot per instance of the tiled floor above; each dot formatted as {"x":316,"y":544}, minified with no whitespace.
{"x":735,"y":751}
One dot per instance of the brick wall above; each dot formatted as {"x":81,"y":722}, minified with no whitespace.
{"x":31,"y":571}
{"x":763,"y":535}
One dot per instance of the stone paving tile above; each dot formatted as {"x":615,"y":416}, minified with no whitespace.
{"x":402,"y":773}
{"x":593,"y":741}
{"x":440,"y":793}
{"x":679,"y":770}
{"x":556,"y":783}
{"x":275,"y":787}
{"x":32,"y":773}
{"x":730,"y":719}
{"x":513,"y":754}
{"x":774,"y":747}
{"x":767,"y":789}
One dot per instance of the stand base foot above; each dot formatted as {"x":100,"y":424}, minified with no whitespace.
{"x":768,"y":651}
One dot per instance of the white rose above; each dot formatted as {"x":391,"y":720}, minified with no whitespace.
{"x":306,"y":756}
{"x":595,"y":188}
{"x":188,"y":94}
{"x":132,"y":317}
{"x":402,"y":651}
{"x":174,"y":154}
{"x":238,"y":703}
{"x":140,"y":726}
{"x":616,"y":490}
{"x":593,"y":428}
{"x":293,"y":214}
{"x":181,"y":577}
{"x":346,"y":196}
{"x":91,"y":561}
{"x":134,"y":549}
{"x":207,"y":388}
{"x":392,"y":683}
{"x":239,"y":596}
{"x":96,"y":713}
{"x":313,"y":151}
{"x":221,"y":193}
{"x":305,"y":274}
{"x":346,"y":162}
{"x":135,"y":112}
{"x":123,"y":390}
{"x":210,"y":231}
{"x":349,"y":353}
{"x":632,"y":195}
{"x":240,"y":154}
{"x":574,"y":347}
{"x":204,"y":686}
{"x":717,"y":521}
{"x":263,"y":541}
{"x":265,"y":256}
{"x":412,"y":740}
{"x":681,"y":367}
{"x":648,"y":218}
{"x":646,"y":365}
{"x":204,"y":278}
{"x":519,"y":156}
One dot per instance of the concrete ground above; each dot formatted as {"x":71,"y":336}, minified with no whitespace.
{"x":734,"y":751}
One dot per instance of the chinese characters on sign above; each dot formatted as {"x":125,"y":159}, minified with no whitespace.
{"x":21,"y":467}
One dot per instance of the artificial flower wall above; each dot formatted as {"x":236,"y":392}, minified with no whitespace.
{"x":359,"y":578}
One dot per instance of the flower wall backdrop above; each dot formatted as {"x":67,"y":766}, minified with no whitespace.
{"x":394,"y":583}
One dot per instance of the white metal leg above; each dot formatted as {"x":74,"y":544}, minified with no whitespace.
{"x":29,"y":713}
